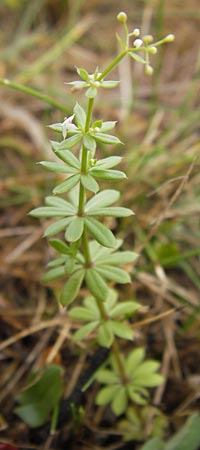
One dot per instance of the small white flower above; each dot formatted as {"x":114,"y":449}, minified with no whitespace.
{"x":136,"y":32}
{"x":138,"y":43}
{"x":67,"y":125}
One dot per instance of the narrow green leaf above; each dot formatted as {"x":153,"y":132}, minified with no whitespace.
{"x":149,"y":380}
{"x":67,"y":143}
{"x":121,"y":42}
{"x":58,"y":202}
{"x":72,"y":287}
{"x":84,"y":331}
{"x":89,"y":183}
{"x":106,"y":138}
{"x":80,"y":116}
{"x":105,"y":335}
{"x":60,"y":246}
{"x":106,"y":394}
{"x":75,"y":230}
{"x":134,"y":360}
{"x":48,"y":211}
{"x":118,"y":258}
{"x":69,"y":265}
{"x":90,"y":143}
{"x":102,"y":234}
{"x":54,"y":167}
{"x":96,"y":284}
{"x":122,"y":330}
{"x":113,"y":273}
{"x":69,"y":158}
{"x":57,"y":227}
{"x":188,"y":437}
{"x":108,"y":163}
{"x":137,"y":57}
{"x":66,"y":185}
{"x":107,"y":126}
{"x":82,"y":314}
{"x":56,"y":262}
{"x":107,"y":175}
{"x":124,"y":308}
{"x":120,"y":402}
{"x":102,"y":199}
{"x":54,"y":274}
{"x":106,"y":376}
{"x":57,"y":127}
{"x":117,"y":211}
{"x":110,"y":84}
{"x":82,"y":73}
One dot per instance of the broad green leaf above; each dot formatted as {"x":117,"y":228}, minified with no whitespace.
{"x":102,"y":199}
{"x":105,"y":335}
{"x":54,"y":274}
{"x":107,"y":175}
{"x":108,"y":163}
{"x":82,"y":314}
{"x":84,"y":331}
{"x":90,"y":143}
{"x":74,"y":230}
{"x":113,"y":273}
{"x":69,"y":158}
{"x":67,"y":184}
{"x":106,"y":394}
{"x":41,"y":397}
{"x":150,"y":366}
{"x":60,"y":246}
{"x":57,"y":227}
{"x":102,"y":234}
{"x":89,"y":183}
{"x":54,"y":167}
{"x":118,"y":258}
{"x":82,"y":73}
{"x":80,"y":116}
{"x":134,"y":360}
{"x":96,"y":285}
{"x":149,"y":380}
{"x":155,"y":444}
{"x":72,"y":287}
{"x":188,"y":437}
{"x":113,"y":211}
{"x":106,"y":376}
{"x":48,"y":211}
{"x":124,"y":308}
{"x":122,"y":330}
{"x":106,"y":138}
{"x":120,"y":402}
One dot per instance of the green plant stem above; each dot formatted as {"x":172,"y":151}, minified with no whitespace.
{"x":34,"y":93}
{"x":113,"y":64}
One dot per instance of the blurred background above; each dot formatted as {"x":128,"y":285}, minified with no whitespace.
{"x":41,"y":43}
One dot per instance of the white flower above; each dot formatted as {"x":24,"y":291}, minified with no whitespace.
{"x":67,"y":125}
{"x":136,"y":32}
{"x":138,"y":43}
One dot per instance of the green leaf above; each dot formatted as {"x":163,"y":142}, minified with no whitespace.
{"x":118,"y":211}
{"x":188,"y":437}
{"x":39,"y":399}
{"x":89,"y":183}
{"x":110,"y":84}
{"x":69,"y":265}
{"x":122,"y":330}
{"x":54,"y":167}
{"x":107,"y":175}
{"x":106,"y":138}
{"x":82,"y":73}
{"x":106,"y":376}
{"x":134,"y":360}
{"x":96,"y":284}
{"x":56,"y":227}
{"x":107,"y":126}
{"x":74,"y":230}
{"x":148,"y":379}
{"x":52,"y":200}
{"x":72,"y":287}
{"x":57,"y":262}
{"x":147,"y":367}
{"x":91,"y":92}
{"x":137,"y":57}
{"x":102,"y":234}
{"x":113,"y":273}
{"x":82,"y":314}
{"x":57,"y":127}
{"x":54,"y":274}
{"x":121,"y":42}
{"x":108,"y":163}
{"x":67,"y":143}
{"x":102,"y":199}
{"x":48,"y":211}
{"x":60,"y":246}
{"x":80,"y":116}
{"x":154,"y":444}
{"x":84,"y":331}
{"x":69,"y":158}
{"x":124,"y":308}
{"x":118,"y":258}
{"x":105,"y":335}
{"x":67,"y":184}
{"x":106,"y":394}
{"x":120,"y":401}
{"x":90,"y":143}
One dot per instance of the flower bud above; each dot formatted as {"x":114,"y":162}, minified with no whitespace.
{"x":148,"y":39}
{"x":122,"y":17}
{"x":170,"y":38}
{"x":148,"y":70}
{"x":153,"y":50}
{"x":136,"y":32}
{"x":138,"y":43}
